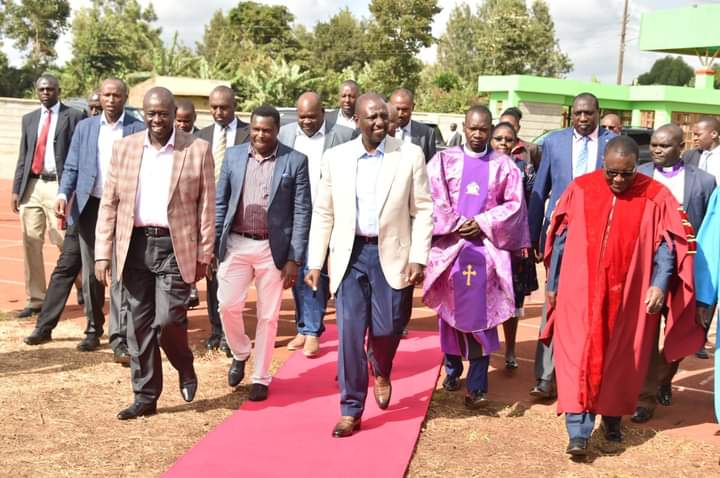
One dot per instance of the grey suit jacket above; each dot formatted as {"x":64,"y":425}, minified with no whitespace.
{"x":692,"y":156}
{"x":424,"y":136}
{"x":242,"y":133}
{"x":334,"y":135}
{"x":699,"y":186}
{"x":289,"y":209}
{"x":68,"y":118}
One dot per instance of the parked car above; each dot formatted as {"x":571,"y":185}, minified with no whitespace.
{"x":640,"y":135}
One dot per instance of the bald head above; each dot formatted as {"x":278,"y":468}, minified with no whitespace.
{"x":160,"y":95}
{"x":159,"y":113}
{"x":612,"y":122}
{"x":311,"y":113}
{"x":222,"y":105}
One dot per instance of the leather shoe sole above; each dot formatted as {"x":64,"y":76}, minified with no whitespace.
{"x":137,"y":410}
{"x":345,"y":427}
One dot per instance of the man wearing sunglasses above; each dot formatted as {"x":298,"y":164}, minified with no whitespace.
{"x":617,"y":252}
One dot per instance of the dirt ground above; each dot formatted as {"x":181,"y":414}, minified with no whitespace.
{"x":59,"y":420}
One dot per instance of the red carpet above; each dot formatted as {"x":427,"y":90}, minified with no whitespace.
{"x":290,"y":433}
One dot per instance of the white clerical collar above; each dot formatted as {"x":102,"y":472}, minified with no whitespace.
{"x":473,"y":154}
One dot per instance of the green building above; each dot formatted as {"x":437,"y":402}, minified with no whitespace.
{"x":546,"y":102}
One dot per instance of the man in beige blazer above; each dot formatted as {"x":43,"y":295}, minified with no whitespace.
{"x":373,"y":210}
{"x":158,"y":205}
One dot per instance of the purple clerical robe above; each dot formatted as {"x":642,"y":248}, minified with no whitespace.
{"x":469,"y":282}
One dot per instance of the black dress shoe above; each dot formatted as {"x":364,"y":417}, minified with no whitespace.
{"x":224,"y":347}
{"x":451,"y":384}
{"x":664,"y":395}
{"x":138,"y":409}
{"x":88,"y":344}
{"x":611,"y":430}
{"x":121,"y":356}
{"x":577,"y":447}
{"x":27,"y":312}
{"x":213,"y":342}
{"x":37,"y":337}
{"x":236,"y":372}
{"x":188,"y":386}
{"x":475,"y":400}
{"x":194,"y":300}
{"x":641,"y":415}
{"x":258,"y":392}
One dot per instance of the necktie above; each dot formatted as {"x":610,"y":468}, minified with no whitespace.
{"x":219,"y":151}
{"x":41,"y":145}
{"x":582,"y":159}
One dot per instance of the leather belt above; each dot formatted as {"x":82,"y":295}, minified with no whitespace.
{"x":254,"y":237}
{"x":44,"y":176}
{"x":152,"y":231}
{"x":367,"y":239}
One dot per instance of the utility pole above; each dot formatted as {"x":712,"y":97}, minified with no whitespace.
{"x":621,"y":54}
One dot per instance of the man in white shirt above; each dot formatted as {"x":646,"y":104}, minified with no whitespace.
{"x":86,"y":170}
{"x":706,"y":138}
{"x":349,"y":92}
{"x":312,"y":135}
{"x":226,"y":131}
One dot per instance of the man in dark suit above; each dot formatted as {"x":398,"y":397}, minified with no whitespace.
{"x":186,"y":116}
{"x":692,"y":187}
{"x":409,"y":130}
{"x":262,"y":223}
{"x":566,"y":154}
{"x":347,"y":97}
{"x":226,"y":131}
{"x":312,"y":135}
{"x":82,"y":186}
{"x":44,"y":144}
{"x":706,"y":153}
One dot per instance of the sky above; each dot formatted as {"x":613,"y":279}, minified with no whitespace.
{"x":587,"y":30}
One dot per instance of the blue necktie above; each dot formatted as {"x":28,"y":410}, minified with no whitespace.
{"x":582,"y":159}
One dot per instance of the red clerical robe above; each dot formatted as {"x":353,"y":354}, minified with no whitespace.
{"x":600,"y":329}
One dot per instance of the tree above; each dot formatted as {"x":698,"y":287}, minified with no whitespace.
{"x":444,"y":92}
{"x":35,"y":26}
{"x":340,"y":42}
{"x":545,"y":57}
{"x":277,"y":83}
{"x":668,"y":71}
{"x":396,"y":33}
{"x":110,"y":38}
{"x":173,"y":60}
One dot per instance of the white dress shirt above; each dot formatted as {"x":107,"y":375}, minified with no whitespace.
{"x":342,"y":120}
{"x":577,"y":146}
{"x":230,"y":132}
{"x":709,"y":162}
{"x":151,"y":199}
{"x":312,"y":147}
{"x":368,"y":172}
{"x":109,"y":133}
{"x":49,"y":160}
{"x":676,"y":183}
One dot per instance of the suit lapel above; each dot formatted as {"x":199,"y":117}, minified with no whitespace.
{"x":33,"y":133}
{"x":179,"y":153}
{"x":566,"y":148}
{"x":62,"y":119}
{"x":280,"y":165}
{"x":241,"y":134}
{"x":602,"y":142}
{"x":390,"y":161}
{"x":93,"y":142}
{"x":688,"y":186}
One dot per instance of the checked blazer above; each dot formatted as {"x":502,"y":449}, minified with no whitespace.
{"x":190,"y":209}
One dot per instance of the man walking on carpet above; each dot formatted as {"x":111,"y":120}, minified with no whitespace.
{"x":480,"y":218}
{"x":615,"y":241}
{"x":373,"y":205}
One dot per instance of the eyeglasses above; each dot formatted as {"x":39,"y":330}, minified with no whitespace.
{"x":507,"y":139}
{"x":611,"y":173}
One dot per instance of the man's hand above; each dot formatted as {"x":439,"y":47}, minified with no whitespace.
{"x":211,"y":269}
{"x":60,"y":205}
{"x":551,"y":298}
{"x":701,"y":317}
{"x":15,"y":203}
{"x":654,"y":300}
{"x":537,"y":253}
{"x":312,"y":279}
{"x":415,"y":273}
{"x":102,"y":271}
{"x":469,"y":229}
{"x":289,"y":274}
{"x":200,"y":270}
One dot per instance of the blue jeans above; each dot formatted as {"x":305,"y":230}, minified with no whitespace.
{"x":477,"y":379}
{"x":310,"y":306}
{"x":580,"y":425}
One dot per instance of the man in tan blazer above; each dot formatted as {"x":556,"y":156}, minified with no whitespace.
{"x":373,"y":210}
{"x":158,"y":204}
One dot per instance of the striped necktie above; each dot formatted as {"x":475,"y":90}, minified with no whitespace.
{"x":219,"y":151}
{"x":580,"y":167}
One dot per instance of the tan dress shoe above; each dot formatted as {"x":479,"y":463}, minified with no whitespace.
{"x":346,"y":426}
{"x":312,"y":346}
{"x":296,"y":343}
{"x":382,"y":391}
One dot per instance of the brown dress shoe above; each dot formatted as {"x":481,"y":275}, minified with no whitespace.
{"x":312,"y":346}
{"x":382,"y":391}
{"x":346,"y":426}
{"x":296,"y":343}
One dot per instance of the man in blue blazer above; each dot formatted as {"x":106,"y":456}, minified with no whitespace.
{"x":262,"y":222}
{"x":692,"y":187}
{"x":566,"y":154}
{"x":81,"y":187}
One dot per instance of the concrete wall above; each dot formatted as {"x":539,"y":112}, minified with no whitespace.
{"x":11,"y":113}
{"x":539,"y":117}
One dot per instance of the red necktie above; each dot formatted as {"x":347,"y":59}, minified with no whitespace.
{"x":39,"y":157}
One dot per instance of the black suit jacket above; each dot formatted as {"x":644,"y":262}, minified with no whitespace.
{"x":68,"y":118}
{"x":692,"y":156}
{"x":242,"y":133}
{"x":699,"y":186}
{"x":424,"y":136}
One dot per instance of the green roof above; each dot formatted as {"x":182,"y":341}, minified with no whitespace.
{"x":689,"y":30}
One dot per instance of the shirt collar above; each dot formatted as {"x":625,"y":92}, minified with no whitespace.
{"x":715,"y":150}
{"x":318,"y":133}
{"x":592,"y":136}
{"x":230,"y":126}
{"x":169,"y":146}
{"x":361,"y":152}
{"x":104,"y":120}
{"x":54,"y":108}
{"x":254,"y":154}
